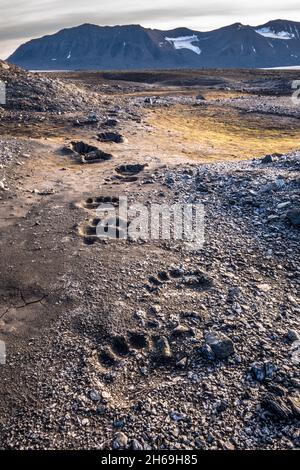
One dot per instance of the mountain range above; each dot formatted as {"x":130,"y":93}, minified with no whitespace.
{"x":274,"y":44}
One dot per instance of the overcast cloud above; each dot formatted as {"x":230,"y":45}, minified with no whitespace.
{"x":21,"y":20}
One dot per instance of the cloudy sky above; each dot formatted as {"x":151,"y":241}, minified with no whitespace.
{"x":21,"y":20}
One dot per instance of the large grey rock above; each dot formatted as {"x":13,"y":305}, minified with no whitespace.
{"x":220,"y":344}
{"x":262,"y":371}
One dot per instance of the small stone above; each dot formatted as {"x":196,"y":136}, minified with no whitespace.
{"x":120,"y":441}
{"x":264,"y":287}
{"x":207,"y":353}
{"x":156,"y":309}
{"x":294,"y":217}
{"x":111,"y":122}
{"x":182,"y":363}
{"x":294,"y":403}
{"x":220,"y":344}
{"x":176,"y":416}
{"x":153,"y":324}
{"x":295,"y":383}
{"x":283,"y":205}
{"x":4,"y":65}
{"x":2,"y":186}
{"x":222,"y":406}
{"x":262,"y":371}
{"x":105,"y":395}
{"x":136,"y":445}
{"x":85,"y":422}
{"x":229,"y":446}
{"x":293,"y":300}
{"x":119,"y":424}
{"x":267,"y":159}
{"x":276,"y":406}
{"x":164,"y":348}
{"x":181,"y":330}
{"x":95,"y":396}
{"x":293,"y":335}
{"x":276,"y":389}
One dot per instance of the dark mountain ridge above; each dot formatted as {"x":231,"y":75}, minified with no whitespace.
{"x":274,"y":44}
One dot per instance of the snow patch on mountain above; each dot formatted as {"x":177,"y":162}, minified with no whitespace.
{"x":185,"y":42}
{"x":268,"y":33}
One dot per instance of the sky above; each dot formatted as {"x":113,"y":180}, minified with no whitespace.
{"x":21,"y":20}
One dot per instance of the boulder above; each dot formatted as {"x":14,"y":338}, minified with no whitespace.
{"x":221,"y":345}
{"x":293,"y":217}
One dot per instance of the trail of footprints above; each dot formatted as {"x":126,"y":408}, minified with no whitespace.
{"x":116,"y":226}
{"x":179,"y":278}
{"x":128,"y":173}
{"x":89,"y":153}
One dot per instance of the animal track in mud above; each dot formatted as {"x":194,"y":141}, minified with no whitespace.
{"x":114,"y":137}
{"x":104,"y":229}
{"x":109,"y":227}
{"x":122,"y":346}
{"x":156,"y":341}
{"x":130,"y":170}
{"x":111,"y":122}
{"x":127,"y":179}
{"x":94,"y":202}
{"x":90,"y":153}
{"x":128,"y":173}
{"x":197,"y":280}
{"x":159,"y":349}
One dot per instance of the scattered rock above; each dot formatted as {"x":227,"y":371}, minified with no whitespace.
{"x":182,"y":363}
{"x":164,"y":349}
{"x":267,"y":159}
{"x":120,"y":441}
{"x":293,"y":335}
{"x":95,"y":396}
{"x":136,"y":445}
{"x":110,"y":137}
{"x":181,"y":330}
{"x":3,"y":187}
{"x":264,"y":287}
{"x":276,"y":406}
{"x":294,"y":403}
{"x":111,"y":122}
{"x":221,"y":345}
{"x":294,"y":217}
{"x":176,"y":416}
{"x":263,"y":371}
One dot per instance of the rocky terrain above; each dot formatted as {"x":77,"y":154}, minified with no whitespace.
{"x":33,"y":92}
{"x":145,"y":344}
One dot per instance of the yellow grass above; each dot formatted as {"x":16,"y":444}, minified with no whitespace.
{"x":219,"y":133}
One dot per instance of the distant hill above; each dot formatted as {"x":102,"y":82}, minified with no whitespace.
{"x":274,"y":44}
